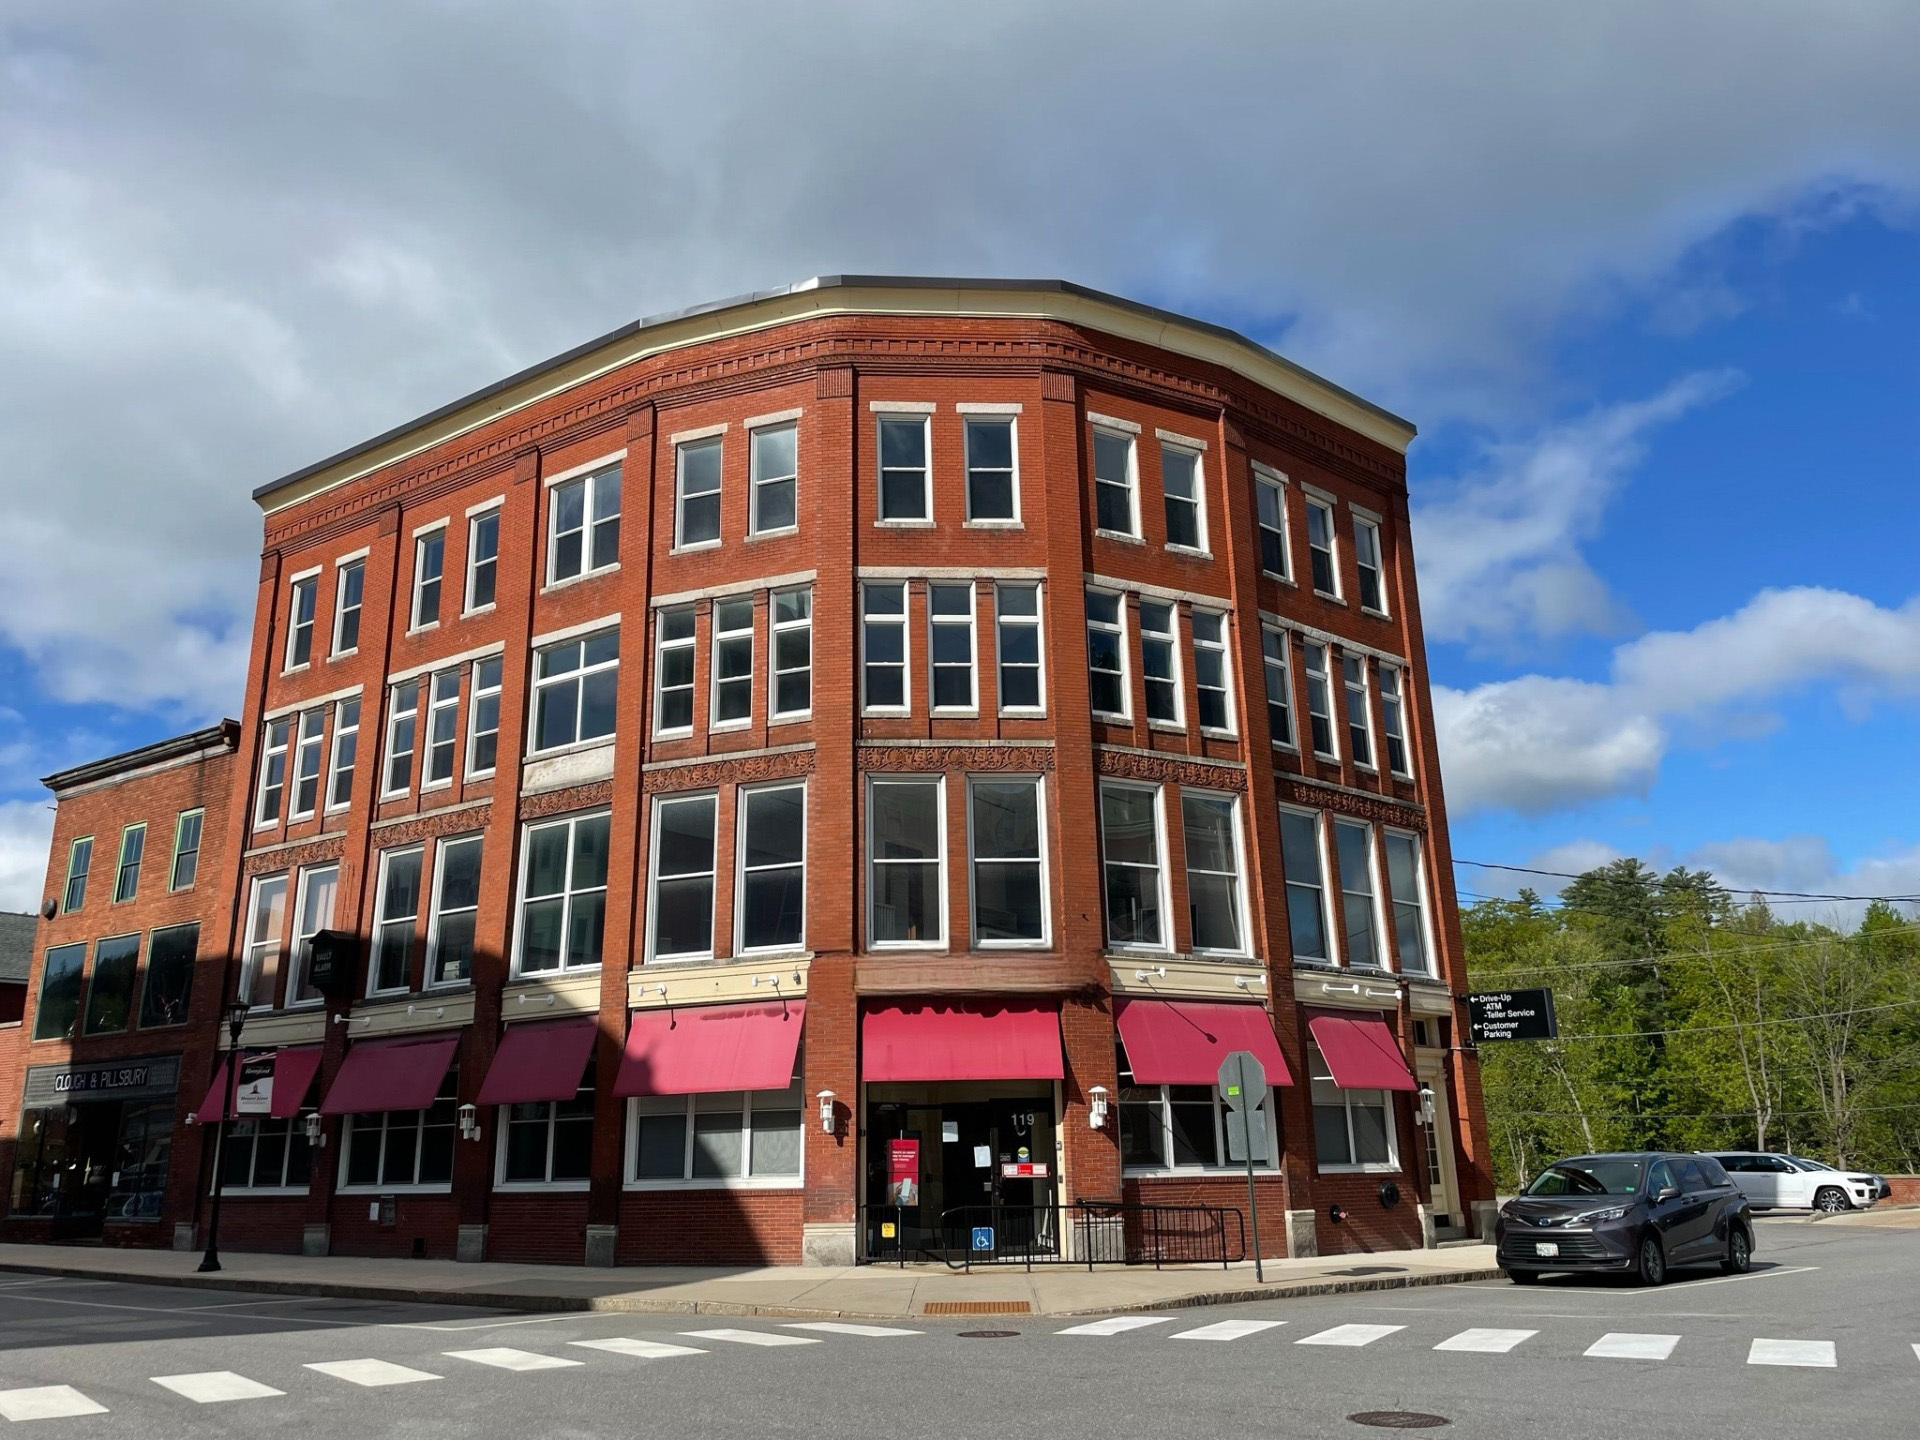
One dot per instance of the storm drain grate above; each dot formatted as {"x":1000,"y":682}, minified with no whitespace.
{"x":977,"y":1307}
{"x":1399,"y":1420}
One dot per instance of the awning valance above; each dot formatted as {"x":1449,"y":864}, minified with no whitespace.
{"x":402,"y":1074}
{"x":1360,"y":1051}
{"x":701,"y":1049}
{"x":961,"y":1040}
{"x":1182,"y":1042}
{"x":543,"y":1060}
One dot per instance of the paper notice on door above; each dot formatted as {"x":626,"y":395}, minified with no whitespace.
{"x":950,"y":1132}
{"x":983,"y":1157}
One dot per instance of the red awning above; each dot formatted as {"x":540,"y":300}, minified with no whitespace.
{"x":543,"y":1060}
{"x":293,"y":1072}
{"x":701,"y":1049}
{"x":961,"y":1040}
{"x":1360,"y":1050}
{"x":400,"y":1074}
{"x":1182,"y":1042}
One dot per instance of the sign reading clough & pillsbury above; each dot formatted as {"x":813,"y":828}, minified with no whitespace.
{"x":146,"y":1077}
{"x":1511,"y":1015}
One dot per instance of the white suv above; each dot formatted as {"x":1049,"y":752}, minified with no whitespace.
{"x":1771,"y":1181}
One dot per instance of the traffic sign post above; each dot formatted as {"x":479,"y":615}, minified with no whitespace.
{"x":1243,"y":1085}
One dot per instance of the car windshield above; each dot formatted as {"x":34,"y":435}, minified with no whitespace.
{"x":1808,"y":1164}
{"x":1588,"y":1177}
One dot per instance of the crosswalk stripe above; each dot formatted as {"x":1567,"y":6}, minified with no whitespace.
{"x":371,"y":1373}
{"x":639,"y":1349}
{"x":1350,"y":1335}
{"x":47,"y":1402}
{"x":213,"y":1387}
{"x":1817,"y":1354}
{"x":1916,"y":1352}
{"x":1625,"y":1345}
{"x":833,"y":1327}
{"x":1228,"y":1330}
{"x":1486,"y":1342}
{"x":1115,"y":1325}
{"x":750,"y":1337}
{"x":504,"y":1358}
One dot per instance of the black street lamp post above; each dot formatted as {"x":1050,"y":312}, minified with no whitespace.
{"x":236,"y":1019}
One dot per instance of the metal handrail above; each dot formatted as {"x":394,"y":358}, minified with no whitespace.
{"x":1100,"y":1231}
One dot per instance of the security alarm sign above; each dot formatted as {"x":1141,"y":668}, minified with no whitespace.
{"x":1511,"y":1015}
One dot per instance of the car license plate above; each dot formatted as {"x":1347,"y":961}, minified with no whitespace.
{"x":1546,"y":1247}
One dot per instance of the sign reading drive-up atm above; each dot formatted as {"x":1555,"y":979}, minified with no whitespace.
{"x":1511,"y":1015}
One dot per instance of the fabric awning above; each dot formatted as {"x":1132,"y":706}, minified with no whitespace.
{"x":293,"y":1072}
{"x":1360,"y":1051}
{"x":701,"y":1049}
{"x":403,"y":1074}
{"x":542,"y":1060}
{"x":961,"y":1040}
{"x":1182,"y":1042}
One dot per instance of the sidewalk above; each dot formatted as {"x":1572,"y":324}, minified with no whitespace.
{"x":870,"y":1292}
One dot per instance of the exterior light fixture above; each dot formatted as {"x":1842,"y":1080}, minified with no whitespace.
{"x":826,"y":1111}
{"x":1423,"y":1112}
{"x":469,"y":1122}
{"x":315,"y":1135}
{"x":1097,"y":1112}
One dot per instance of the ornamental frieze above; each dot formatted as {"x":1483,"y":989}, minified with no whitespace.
{"x":938,"y":759}
{"x":1158,"y":769}
{"x":432,"y":825}
{"x":290,"y":857}
{"x":745,"y":770}
{"x":574,"y":797}
{"x":1343,"y":802}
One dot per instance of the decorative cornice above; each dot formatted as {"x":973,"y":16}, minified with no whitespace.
{"x":433,"y":824}
{"x":743,"y":770}
{"x":559,"y":802}
{"x":939,"y":759}
{"x":1162,"y":769}
{"x":1293,"y":791}
{"x":294,"y":857}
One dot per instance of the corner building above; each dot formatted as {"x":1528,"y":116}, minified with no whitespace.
{"x":879,"y":730}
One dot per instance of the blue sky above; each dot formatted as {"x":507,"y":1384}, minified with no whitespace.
{"x":1654,"y":311}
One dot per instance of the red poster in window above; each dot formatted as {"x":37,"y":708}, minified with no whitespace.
{"x":903,"y":1172}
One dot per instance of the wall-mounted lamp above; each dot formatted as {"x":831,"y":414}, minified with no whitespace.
{"x":1328,"y":987}
{"x":1247,"y":982}
{"x":469,"y":1123}
{"x":349,"y":1019}
{"x":315,"y":1135}
{"x":1158,"y":971}
{"x":1097,"y":1111}
{"x":826,"y":1111}
{"x":1423,"y":1112}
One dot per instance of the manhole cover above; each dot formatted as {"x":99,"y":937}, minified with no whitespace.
{"x":1399,"y":1420}
{"x":988,"y":1334}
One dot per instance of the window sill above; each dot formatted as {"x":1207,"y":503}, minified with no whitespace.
{"x":541,"y":1187}
{"x":1188,"y":1172}
{"x":1120,"y":537}
{"x":376,"y":1190}
{"x":1376,"y":614}
{"x":903,"y":524}
{"x":430,"y":787}
{"x":425,"y":629}
{"x":580,"y":579}
{"x":1366,"y":768}
{"x":1290,"y":748}
{"x":731,"y":727}
{"x":1357,"y":1169}
{"x":891,"y":712}
{"x":774,"y":1182}
{"x":994,"y":525}
{"x":1326,"y":757}
{"x":478,"y":610}
{"x":576,"y":747}
{"x":695,"y":547}
{"x":264,"y":1192}
{"x":1279,"y":579}
{"x":906,"y":947}
{"x":474,"y":776}
{"x":1190,"y":551}
{"x":951,"y":712}
{"x":705,"y":957}
{"x":296,"y":670}
{"x":781,"y":534}
{"x":1213,"y":734}
{"x":1109,"y":717}
{"x":343,"y":655}
{"x":1329,"y":595}
{"x":798,"y":718}
{"x":1023,"y":714}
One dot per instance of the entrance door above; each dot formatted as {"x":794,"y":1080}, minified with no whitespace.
{"x":93,"y":1136}
{"x":1439,"y":1146}
{"x":995,"y":1140}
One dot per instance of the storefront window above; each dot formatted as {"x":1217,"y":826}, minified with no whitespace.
{"x":39,"y":1160}
{"x":170,"y":956}
{"x":265,"y":1153}
{"x":138,"y":1185}
{"x":549,"y":1141}
{"x":110,"y":998}
{"x":1166,"y":1127}
{"x":1352,"y":1129}
{"x":752,"y":1135}
{"x":404,"y":1147}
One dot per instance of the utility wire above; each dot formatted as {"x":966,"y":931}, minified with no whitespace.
{"x":1743,"y":889}
{"x":1669,"y":957}
{"x":1742,"y":1025}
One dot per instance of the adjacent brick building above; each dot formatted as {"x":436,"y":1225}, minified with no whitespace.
{"x":878,"y":734}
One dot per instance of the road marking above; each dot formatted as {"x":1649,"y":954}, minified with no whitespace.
{"x":1817,"y":1354}
{"x":47,"y":1402}
{"x":749,"y":1337}
{"x":502,"y":1358}
{"x":212,"y":1387}
{"x":371,"y":1373}
{"x":1916,"y":1352}
{"x":1350,"y":1335}
{"x":830,"y":1327}
{"x":1115,"y":1325}
{"x":1228,"y":1330}
{"x":1625,"y":1345}
{"x":640,"y":1349}
{"x":1486,"y":1342}
{"x":1682,"y":1286}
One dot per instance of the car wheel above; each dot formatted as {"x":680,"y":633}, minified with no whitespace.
{"x":1739,"y":1252}
{"x":1831,"y":1200}
{"x":1651,"y":1269}
{"x":1524,"y":1277}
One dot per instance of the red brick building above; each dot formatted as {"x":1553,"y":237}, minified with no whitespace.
{"x":878,"y":731}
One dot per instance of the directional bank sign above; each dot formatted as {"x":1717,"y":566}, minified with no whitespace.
{"x":1511,"y":1015}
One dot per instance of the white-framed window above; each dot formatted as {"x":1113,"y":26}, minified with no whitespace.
{"x":1009,"y":882}
{"x":1303,"y":858}
{"x":583,"y":525}
{"x":429,"y":561}
{"x":312,"y":912}
{"x":302,"y":601}
{"x":1319,"y":699}
{"x":346,"y":744}
{"x":792,"y":671}
{"x":273,"y":770}
{"x":563,"y":895}
{"x":443,"y":729}
{"x":1215,"y":902}
{"x":774,"y":463}
{"x":730,"y":1137}
{"x":349,"y":593}
{"x":950,"y":647}
{"x":770,"y":903}
{"x":396,"y":920}
{"x":993,"y":486}
{"x":732,"y":663}
{"x":307,"y":754}
{"x":455,"y":908}
{"x":904,"y":488}
{"x":696,"y":510}
{"x":680,"y":899}
{"x":1114,"y":483}
{"x":1366,"y":559}
{"x":79,"y":860}
{"x":1270,"y":500}
{"x":483,"y":560}
{"x":403,"y":1149}
{"x":266,"y":929}
{"x":1016,"y":612}
{"x":1131,"y":847}
{"x":1212,"y":671}
{"x":883,"y":648}
{"x":483,"y":725}
{"x":1107,"y":654}
{"x":186,"y":849}
{"x":1160,"y":662}
{"x":906,"y":861}
{"x":1393,"y":720}
{"x":264,"y":1154}
{"x":1279,"y":674}
{"x":1352,"y":1129}
{"x":575,"y":684}
{"x":133,"y":848}
{"x":1180,"y":477}
{"x":548,"y":1143}
{"x":1353,"y":848}
{"x":1321,"y":548}
{"x":1181,"y":1127}
{"x":1407,"y":886}
{"x":403,"y":736}
{"x":1353,"y":670}
{"x":673,"y":671}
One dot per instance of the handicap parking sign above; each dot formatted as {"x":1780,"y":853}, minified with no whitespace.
{"x":983,"y":1237}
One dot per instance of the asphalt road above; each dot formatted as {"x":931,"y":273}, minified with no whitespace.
{"x":85,"y":1358}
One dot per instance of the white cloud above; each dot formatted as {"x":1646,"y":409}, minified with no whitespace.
{"x":1806,"y":863}
{"x":1539,"y":743}
{"x":26,"y":829}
